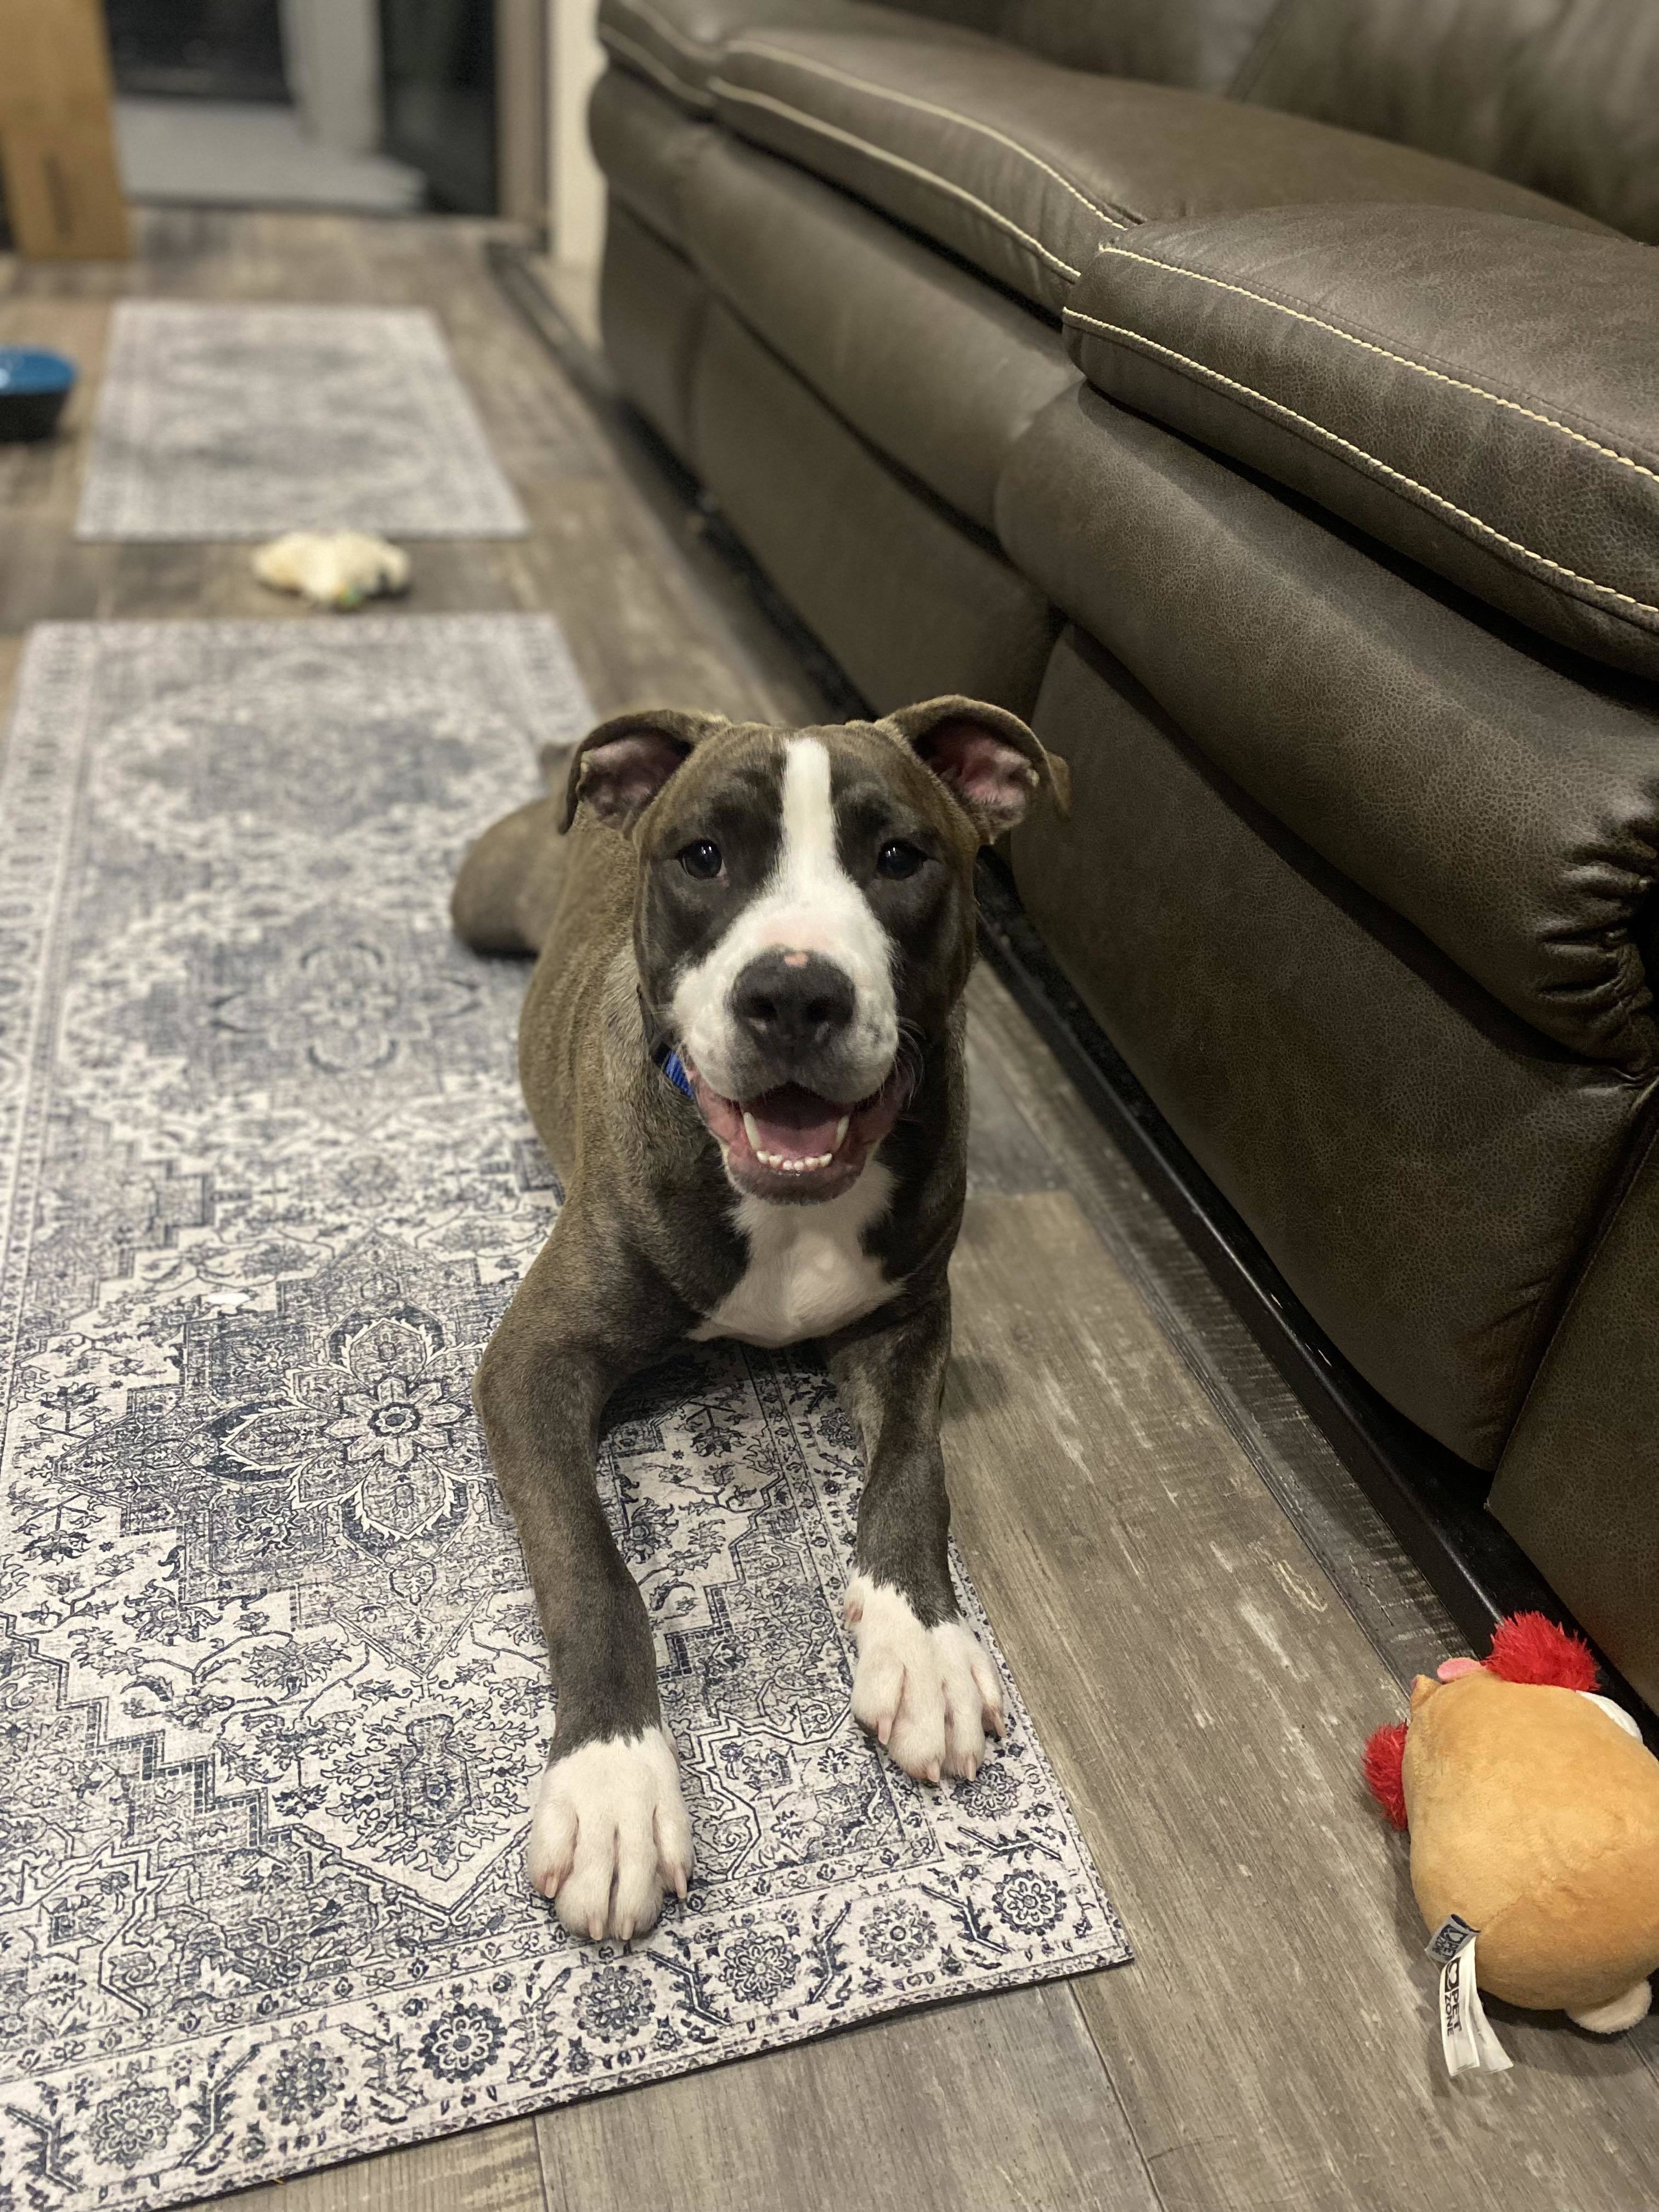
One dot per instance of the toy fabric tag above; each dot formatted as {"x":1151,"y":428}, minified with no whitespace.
{"x":1467,"y":2036}
{"x":1448,"y":1938}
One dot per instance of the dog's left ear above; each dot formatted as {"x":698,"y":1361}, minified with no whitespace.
{"x":619,"y":769}
{"x":990,"y":762}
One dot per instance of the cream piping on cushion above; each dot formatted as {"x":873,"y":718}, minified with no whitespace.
{"x":692,"y":95}
{"x":728,"y":91}
{"x":1359,"y":453}
{"x":1367,"y":345}
{"x":928,"y":107}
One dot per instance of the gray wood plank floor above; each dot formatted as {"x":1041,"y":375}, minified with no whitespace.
{"x":1205,"y":1617}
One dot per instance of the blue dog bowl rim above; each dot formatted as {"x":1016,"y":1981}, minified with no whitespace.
{"x":31,"y":369}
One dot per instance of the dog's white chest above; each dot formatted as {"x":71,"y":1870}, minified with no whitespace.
{"x":808,"y":1272}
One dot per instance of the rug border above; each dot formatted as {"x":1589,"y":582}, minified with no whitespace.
{"x":645,"y":2078}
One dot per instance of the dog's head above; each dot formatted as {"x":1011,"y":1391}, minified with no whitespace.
{"x":805,"y":916}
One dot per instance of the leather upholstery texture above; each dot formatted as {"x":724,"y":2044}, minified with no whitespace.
{"x":1508,"y":811}
{"x":1026,"y":170}
{"x":646,"y":146}
{"x":909,"y":600}
{"x":677,"y":44}
{"x":651,"y":312}
{"x":1423,"y":1176}
{"x":1199,"y":43}
{"x":1481,"y":392}
{"x":1575,"y":1487}
{"x":1560,"y":94}
{"x":925,"y":360}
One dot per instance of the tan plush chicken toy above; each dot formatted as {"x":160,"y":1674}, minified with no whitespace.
{"x":1533,"y":1811}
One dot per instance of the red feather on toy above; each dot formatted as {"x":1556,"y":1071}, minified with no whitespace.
{"x":1384,"y":1764}
{"x":1528,"y":1647}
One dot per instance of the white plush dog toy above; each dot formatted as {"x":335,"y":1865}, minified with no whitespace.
{"x":332,"y":568}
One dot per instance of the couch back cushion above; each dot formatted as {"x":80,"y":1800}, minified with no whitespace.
{"x":1202,"y":44}
{"x":1026,"y":170}
{"x":1560,"y":94}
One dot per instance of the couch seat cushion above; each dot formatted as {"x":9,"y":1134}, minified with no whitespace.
{"x":1422,"y":1168}
{"x":1481,"y":392}
{"x":906,"y":600}
{"x":1026,"y":170}
{"x":940,"y":370}
{"x":1506,"y":808}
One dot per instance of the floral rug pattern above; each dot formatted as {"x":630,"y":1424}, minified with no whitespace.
{"x":244,"y":422}
{"x":272,"y":1692}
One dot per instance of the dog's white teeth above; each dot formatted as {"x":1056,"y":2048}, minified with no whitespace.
{"x":781,"y":1162}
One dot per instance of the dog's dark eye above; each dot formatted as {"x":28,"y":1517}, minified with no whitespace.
{"x":701,"y":859}
{"x":898,"y":858}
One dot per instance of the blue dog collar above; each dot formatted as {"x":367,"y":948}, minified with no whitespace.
{"x":673,"y":1067}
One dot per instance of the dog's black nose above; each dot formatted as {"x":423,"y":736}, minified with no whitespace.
{"x":792,"y":1001}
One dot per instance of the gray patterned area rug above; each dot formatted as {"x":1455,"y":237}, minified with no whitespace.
{"x":272,"y":1687}
{"x":228,"y":421}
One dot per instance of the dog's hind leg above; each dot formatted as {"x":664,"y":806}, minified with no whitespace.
{"x":508,"y":887}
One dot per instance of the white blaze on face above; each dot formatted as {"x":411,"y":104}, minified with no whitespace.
{"x":808,"y":904}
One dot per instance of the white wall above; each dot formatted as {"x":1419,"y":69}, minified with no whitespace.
{"x":575,"y":188}
{"x":331,"y":51}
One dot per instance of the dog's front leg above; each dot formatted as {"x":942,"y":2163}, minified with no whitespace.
{"x":609,"y":1831}
{"x":924,"y":1684}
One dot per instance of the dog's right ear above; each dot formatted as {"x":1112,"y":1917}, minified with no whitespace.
{"x":619,"y":768}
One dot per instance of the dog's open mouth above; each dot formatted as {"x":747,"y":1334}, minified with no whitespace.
{"x":791,"y":1142}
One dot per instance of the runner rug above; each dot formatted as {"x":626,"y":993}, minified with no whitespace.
{"x":222,"y":422}
{"x":272,"y":1687}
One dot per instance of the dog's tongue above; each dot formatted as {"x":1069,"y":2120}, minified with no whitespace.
{"x":796,"y":1124}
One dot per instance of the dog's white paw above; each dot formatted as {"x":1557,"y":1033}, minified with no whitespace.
{"x":610,"y":1833}
{"x":930,"y":1695}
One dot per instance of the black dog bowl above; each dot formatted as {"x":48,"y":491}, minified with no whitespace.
{"x":34,"y":387}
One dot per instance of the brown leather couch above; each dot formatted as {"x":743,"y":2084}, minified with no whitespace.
{"x":1263,"y":395}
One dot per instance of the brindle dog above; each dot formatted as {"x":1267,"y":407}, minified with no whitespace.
{"x":742,"y":1048}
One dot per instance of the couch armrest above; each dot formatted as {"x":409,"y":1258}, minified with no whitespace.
{"x":1478,"y":390}
{"x":1578,"y":1486}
